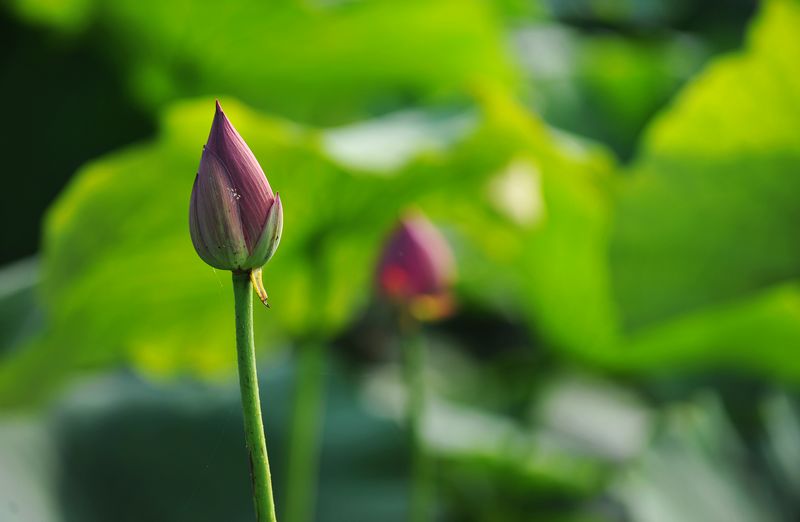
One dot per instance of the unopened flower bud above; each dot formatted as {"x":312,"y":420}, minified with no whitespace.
{"x":235,"y":220}
{"x":417,"y":268}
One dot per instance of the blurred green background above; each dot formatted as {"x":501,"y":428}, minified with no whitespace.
{"x":619,"y":180}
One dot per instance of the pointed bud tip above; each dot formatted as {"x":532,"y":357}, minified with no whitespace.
{"x":219,"y":115}
{"x":221,"y":128}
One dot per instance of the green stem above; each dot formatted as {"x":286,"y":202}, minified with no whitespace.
{"x":309,"y":398}
{"x":251,"y":404}
{"x":421,"y":484}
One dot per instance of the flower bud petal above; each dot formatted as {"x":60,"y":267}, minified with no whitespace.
{"x":270,"y":236}
{"x":214,"y":220}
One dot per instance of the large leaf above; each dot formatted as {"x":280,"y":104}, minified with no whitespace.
{"x":327,"y":62}
{"x":704,"y":252}
{"x":711,"y":211}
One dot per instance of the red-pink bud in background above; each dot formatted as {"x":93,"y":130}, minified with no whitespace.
{"x":234,"y":218}
{"x":417,"y":268}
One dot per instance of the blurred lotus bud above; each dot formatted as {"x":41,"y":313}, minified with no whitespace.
{"x":234,"y":218}
{"x":417,"y":268}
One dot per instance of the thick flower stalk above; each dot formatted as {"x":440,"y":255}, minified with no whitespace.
{"x":415,"y":272}
{"x":236,"y":223}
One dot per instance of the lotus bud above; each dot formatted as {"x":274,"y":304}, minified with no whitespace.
{"x":235,"y":220}
{"x":417,"y":268}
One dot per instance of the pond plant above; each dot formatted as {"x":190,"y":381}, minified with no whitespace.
{"x":414,"y":275}
{"x":236,"y":222}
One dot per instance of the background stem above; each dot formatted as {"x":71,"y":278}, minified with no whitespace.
{"x":304,"y":448}
{"x":421,"y":485}
{"x":251,"y":404}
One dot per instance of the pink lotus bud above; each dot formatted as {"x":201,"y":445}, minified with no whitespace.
{"x":234,"y":218}
{"x":417,"y":268}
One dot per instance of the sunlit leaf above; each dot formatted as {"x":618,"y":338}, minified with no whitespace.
{"x":317,"y":61}
{"x":711,"y":210}
{"x":704,"y":253}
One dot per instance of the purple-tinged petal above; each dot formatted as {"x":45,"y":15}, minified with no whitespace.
{"x":217,"y":220}
{"x":270,"y":236}
{"x":246,"y":175}
{"x":206,"y":253}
